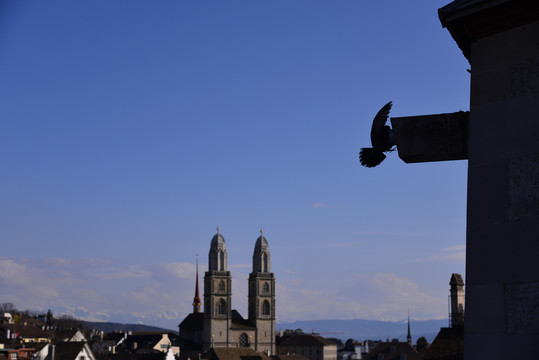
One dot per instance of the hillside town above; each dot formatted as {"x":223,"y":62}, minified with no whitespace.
{"x":24,"y":336}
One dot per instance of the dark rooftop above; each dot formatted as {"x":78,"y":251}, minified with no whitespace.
{"x":392,"y":351}
{"x":238,"y":322}
{"x":66,"y":350}
{"x":236,"y":354}
{"x":448,"y":345}
{"x":306,"y":340}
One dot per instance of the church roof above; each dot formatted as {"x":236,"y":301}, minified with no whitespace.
{"x":218,"y":241}
{"x":238,"y":322}
{"x":193,"y":322}
{"x":261,"y":244}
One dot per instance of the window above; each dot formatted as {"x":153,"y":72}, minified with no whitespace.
{"x":13,"y":356}
{"x":221,"y":266}
{"x":244,"y":340}
{"x":221,"y":286}
{"x":266,"y":308}
{"x":265,"y":262}
{"x":265,"y":288}
{"x":221,"y":307}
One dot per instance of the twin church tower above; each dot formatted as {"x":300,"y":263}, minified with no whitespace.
{"x":221,"y":326}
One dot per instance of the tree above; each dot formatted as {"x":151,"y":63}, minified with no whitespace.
{"x":67,"y":322}
{"x":421,"y":345}
{"x":7,"y":307}
{"x":50,"y":318}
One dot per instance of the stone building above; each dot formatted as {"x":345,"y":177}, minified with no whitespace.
{"x":392,"y":350}
{"x":219,"y":326}
{"x":499,"y":137}
{"x":313,"y":347}
{"x":500,"y":40}
{"x":449,"y":343}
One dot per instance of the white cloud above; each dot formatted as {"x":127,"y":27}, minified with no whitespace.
{"x":122,"y":273}
{"x":455,"y":253}
{"x":319,"y":205}
{"x":180,"y":270}
{"x":100,"y":290}
{"x":162,"y":293}
{"x":378,"y":296}
{"x":13,"y":273}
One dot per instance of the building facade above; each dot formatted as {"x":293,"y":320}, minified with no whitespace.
{"x":219,"y":326}
{"x":313,"y":347}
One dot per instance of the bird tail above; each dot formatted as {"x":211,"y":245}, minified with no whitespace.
{"x":370,"y":157}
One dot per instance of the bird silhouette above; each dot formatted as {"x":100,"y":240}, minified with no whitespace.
{"x":382,"y":139}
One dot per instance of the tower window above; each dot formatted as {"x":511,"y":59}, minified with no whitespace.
{"x":264,"y":262}
{"x":265,"y":288}
{"x":221,"y":308}
{"x":221,"y":286}
{"x":266,"y":308}
{"x":221,"y":261}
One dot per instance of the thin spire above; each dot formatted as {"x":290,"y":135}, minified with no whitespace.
{"x":196,"y":300}
{"x":409,"y":337}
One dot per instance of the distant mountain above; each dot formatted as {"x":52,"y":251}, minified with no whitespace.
{"x":343,"y":329}
{"x":368,"y":329}
{"x":109,"y":327}
{"x":161,"y":320}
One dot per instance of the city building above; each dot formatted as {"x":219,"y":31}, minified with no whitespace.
{"x":313,"y":347}
{"x":449,"y":343}
{"x":219,"y":326}
{"x":392,"y":350}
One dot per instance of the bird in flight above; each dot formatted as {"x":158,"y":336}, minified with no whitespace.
{"x":382,"y":139}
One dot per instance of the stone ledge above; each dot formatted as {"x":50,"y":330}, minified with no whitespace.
{"x":437,"y":137}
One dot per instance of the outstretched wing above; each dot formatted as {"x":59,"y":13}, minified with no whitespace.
{"x":378,"y":124}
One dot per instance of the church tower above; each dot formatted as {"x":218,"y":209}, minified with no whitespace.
{"x":217,"y":296}
{"x":262,"y":298}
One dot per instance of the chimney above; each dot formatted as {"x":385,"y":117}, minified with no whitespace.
{"x":457,"y":300}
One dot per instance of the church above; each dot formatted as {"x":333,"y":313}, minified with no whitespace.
{"x":221,"y":326}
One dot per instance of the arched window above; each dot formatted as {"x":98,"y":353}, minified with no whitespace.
{"x":265,"y":262}
{"x":221,"y":265}
{"x":221,"y":286}
{"x":244,"y":340}
{"x":221,"y":307}
{"x":266,"y":308}
{"x":265,"y":288}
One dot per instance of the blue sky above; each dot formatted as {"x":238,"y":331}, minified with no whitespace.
{"x":131,"y":129}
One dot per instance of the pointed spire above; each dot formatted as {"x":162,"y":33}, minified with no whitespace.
{"x":409,"y":337}
{"x":196,"y":300}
